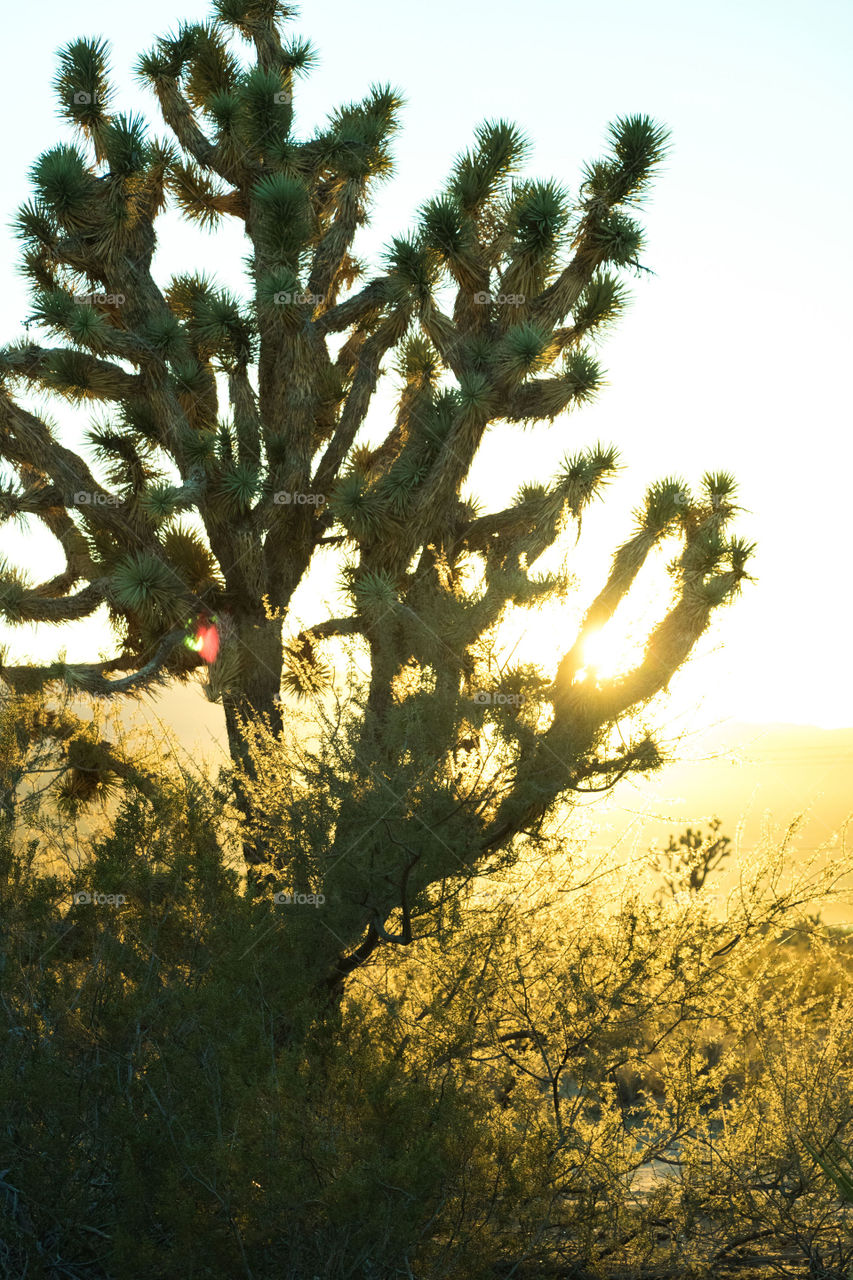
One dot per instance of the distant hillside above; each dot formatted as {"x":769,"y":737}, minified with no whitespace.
{"x":750,"y":775}
{"x":747,"y":774}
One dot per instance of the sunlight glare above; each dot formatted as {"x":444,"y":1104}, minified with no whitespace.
{"x":607,"y":652}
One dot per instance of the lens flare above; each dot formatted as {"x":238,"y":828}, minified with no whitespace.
{"x":205,"y":642}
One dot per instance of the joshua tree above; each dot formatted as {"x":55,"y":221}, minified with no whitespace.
{"x":229,"y":449}
{"x":685,"y":864}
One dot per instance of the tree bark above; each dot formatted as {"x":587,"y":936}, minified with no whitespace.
{"x":255,"y":697}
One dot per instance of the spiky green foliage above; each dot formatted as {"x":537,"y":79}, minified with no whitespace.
{"x":412,"y":272}
{"x":664,"y":505}
{"x":584,"y":475}
{"x":143,"y":584}
{"x":82,"y":84}
{"x":198,"y":198}
{"x":619,"y":239}
{"x":603,"y":300}
{"x":65,"y":186}
{"x":239,"y":486}
{"x":186,"y":549}
{"x":125,"y":146}
{"x":13,"y":591}
{"x":375,"y":593}
{"x":525,"y":350}
{"x":479,"y":174}
{"x":359,"y":510}
{"x":305,"y":674}
{"x":162,"y":501}
{"x":284,"y":216}
{"x":221,"y":329}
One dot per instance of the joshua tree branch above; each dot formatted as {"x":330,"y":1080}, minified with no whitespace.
{"x":104,"y":380}
{"x":89,"y":677}
{"x":38,"y":606}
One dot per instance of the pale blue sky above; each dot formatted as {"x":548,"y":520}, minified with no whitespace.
{"x":735,"y":352}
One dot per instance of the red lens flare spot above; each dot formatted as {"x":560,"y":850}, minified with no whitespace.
{"x":207,"y":641}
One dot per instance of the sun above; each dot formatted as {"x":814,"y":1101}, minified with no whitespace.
{"x":543,"y":635}
{"x":702,"y":691}
{"x":540,"y":636}
{"x":607,"y":653}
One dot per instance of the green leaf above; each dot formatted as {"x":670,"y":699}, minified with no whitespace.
{"x":603,"y":299}
{"x":239,"y":487}
{"x":213,"y":69}
{"x":125,"y":145}
{"x":582,"y":374}
{"x":413,"y":273}
{"x":13,"y":588}
{"x":619,"y":238}
{"x":434,"y":418}
{"x":34,"y":222}
{"x":584,"y":474}
{"x":162,"y":501}
{"x":664,"y":505}
{"x":249,"y":15}
{"x":475,"y":393}
{"x":284,"y":209}
{"x":63,"y":182}
{"x":480,"y":175}
{"x":200,"y":446}
{"x":221,"y":328}
{"x":444,"y":228}
{"x":539,"y":216}
{"x":81,"y":82}
{"x":418,"y":361}
{"x":267,"y":110}
{"x":375,"y":594}
{"x":191,"y":378}
{"x":186,"y":292}
{"x":357,"y":506}
{"x":639,"y":145}
{"x":525,"y":349}
{"x":187,"y":550}
{"x":720,"y":488}
{"x":165,"y":334}
{"x":399,"y":485}
{"x":78,"y":377}
{"x":144,"y":584}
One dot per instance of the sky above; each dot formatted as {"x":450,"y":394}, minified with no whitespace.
{"x":734,"y":353}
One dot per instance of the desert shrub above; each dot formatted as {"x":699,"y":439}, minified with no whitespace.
{"x":564,"y":1073}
